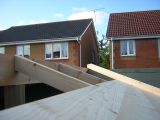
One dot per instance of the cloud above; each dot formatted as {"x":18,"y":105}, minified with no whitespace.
{"x":21,"y":22}
{"x":24,"y":22}
{"x":58,"y":15}
{"x":2,"y":28}
{"x":99,"y":17}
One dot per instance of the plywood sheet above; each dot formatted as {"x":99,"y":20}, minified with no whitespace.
{"x":113,"y":100}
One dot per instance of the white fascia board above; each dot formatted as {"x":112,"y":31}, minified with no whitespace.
{"x":85,"y":30}
{"x":39,"y":41}
{"x":133,"y":37}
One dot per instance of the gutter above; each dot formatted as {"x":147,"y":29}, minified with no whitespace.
{"x":133,"y":37}
{"x":39,"y":41}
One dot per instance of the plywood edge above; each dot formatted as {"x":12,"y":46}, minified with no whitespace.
{"x":125,"y":79}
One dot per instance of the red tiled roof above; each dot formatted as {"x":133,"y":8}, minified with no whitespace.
{"x":134,"y":23}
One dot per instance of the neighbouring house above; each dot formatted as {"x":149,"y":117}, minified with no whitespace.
{"x":134,"y":39}
{"x":71,"y":42}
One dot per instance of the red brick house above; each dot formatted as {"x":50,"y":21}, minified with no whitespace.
{"x":71,"y":42}
{"x":134,"y":39}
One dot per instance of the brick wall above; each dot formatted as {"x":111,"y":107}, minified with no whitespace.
{"x":10,"y":50}
{"x":37,"y":52}
{"x":73,"y":55}
{"x":89,"y":48}
{"x":146,"y":55}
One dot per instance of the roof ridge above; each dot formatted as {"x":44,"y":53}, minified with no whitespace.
{"x":50,"y":23}
{"x":136,"y":12}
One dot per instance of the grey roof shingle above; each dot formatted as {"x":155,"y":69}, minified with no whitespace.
{"x":52,"y":30}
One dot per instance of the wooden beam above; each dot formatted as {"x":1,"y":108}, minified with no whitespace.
{"x":71,"y":71}
{"x":18,"y":79}
{"x":74,"y":71}
{"x":6,"y":67}
{"x":14,"y":95}
{"x":125,"y":79}
{"x":48,"y":75}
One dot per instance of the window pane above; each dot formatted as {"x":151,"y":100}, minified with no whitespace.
{"x":48,"y":50}
{"x":56,"y":50}
{"x":131,"y":46}
{"x":26,"y":51}
{"x":2,"y":50}
{"x":64,"y":47}
{"x":123,"y":45}
{"x":19,"y":50}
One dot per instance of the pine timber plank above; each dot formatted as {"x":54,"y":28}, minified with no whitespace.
{"x":112,"y":100}
{"x":6,"y":67}
{"x":18,"y":79}
{"x":71,"y":71}
{"x":125,"y":79}
{"x":47,"y":75}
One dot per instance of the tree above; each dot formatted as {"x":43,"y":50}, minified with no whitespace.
{"x":104,"y":52}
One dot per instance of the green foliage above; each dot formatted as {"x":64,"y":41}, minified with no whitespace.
{"x":104,"y":53}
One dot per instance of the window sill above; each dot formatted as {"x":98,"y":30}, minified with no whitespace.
{"x":128,"y":55}
{"x":56,"y":58}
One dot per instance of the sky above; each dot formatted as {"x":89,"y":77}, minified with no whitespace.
{"x":23,"y":12}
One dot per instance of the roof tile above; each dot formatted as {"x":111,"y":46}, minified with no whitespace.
{"x":134,"y":23}
{"x":63,"y":29}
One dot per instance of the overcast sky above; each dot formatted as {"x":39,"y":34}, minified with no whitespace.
{"x":22,"y":12}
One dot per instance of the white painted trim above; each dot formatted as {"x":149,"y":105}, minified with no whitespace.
{"x":65,"y":58}
{"x":39,"y":41}
{"x":134,"y":48}
{"x":23,"y":45}
{"x":85,"y":30}
{"x":61,"y":58}
{"x":112,"y":54}
{"x":128,"y":55}
{"x":158,"y":48}
{"x":133,"y":37}
{"x":80,"y":55}
{"x":3,"y":49}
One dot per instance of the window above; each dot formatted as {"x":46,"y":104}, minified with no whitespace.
{"x":159,"y":47}
{"x":23,"y":50}
{"x":2,"y":50}
{"x":127,"y":47}
{"x":48,"y":50}
{"x":56,"y":50}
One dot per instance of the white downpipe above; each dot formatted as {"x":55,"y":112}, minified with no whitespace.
{"x":112,"y":54}
{"x":80,"y":49}
{"x":80,"y":56}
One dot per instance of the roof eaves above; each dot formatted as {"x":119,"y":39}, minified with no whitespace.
{"x":85,"y":30}
{"x":133,"y":37}
{"x":39,"y":41}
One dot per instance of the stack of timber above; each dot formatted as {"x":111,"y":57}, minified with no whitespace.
{"x":121,"y":99}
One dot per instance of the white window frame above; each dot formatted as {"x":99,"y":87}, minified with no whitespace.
{"x":60,"y":51}
{"x":23,"y":48}
{"x":159,"y":47}
{"x":3,"y":50}
{"x":134,"y":48}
